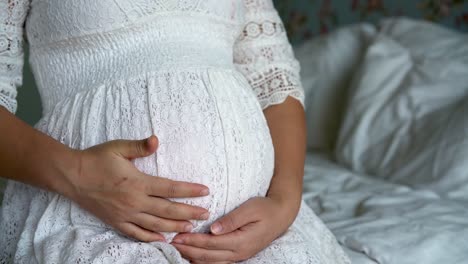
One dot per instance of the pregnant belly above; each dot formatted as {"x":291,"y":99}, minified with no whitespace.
{"x":210,"y":127}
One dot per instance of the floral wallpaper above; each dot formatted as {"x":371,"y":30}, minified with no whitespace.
{"x":307,"y":18}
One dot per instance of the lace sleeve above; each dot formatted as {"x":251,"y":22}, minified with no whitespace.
{"x":12,"y":17}
{"x":265,"y":57}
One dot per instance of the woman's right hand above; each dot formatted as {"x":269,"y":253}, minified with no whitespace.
{"x":108,"y":185}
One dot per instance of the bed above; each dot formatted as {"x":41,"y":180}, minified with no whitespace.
{"x":387,"y":162}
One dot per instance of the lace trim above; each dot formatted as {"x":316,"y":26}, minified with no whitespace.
{"x":10,"y":78}
{"x":280,"y":97}
{"x":109,"y":15}
{"x":255,"y":58}
{"x":12,"y":16}
{"x":86,"y":37}
{"x":275,"y":85}
{"x":268,"y":28}
{"x":265,"y":57}
{"x":8,"y":103}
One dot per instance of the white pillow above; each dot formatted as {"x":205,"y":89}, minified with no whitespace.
{"x":407,"y":115}
{"x":327,"y":64}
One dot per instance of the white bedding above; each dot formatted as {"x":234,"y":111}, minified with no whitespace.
{"x":393,"y":104}
{"x":380,"y":222}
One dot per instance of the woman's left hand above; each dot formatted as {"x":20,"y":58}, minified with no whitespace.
{"x":240,"y":234}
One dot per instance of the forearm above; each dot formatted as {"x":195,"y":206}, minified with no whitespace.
{"x":288,"y":131}
{"x":29,"y":156}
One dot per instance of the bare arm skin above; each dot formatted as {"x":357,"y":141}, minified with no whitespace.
{"x":101,"y":179}
{"x":288,"y":130}
{"x":29,"y":156}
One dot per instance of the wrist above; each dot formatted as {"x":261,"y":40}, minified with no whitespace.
{"x":288,"y":205}
{"x":66,"y":171}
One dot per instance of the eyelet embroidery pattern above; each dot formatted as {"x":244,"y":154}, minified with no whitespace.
{"x":195,"y":73}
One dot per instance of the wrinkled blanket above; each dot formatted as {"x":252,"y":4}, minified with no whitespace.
{"x":394,"y":185}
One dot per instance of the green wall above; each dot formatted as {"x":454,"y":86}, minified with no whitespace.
{"x":29,"y":103}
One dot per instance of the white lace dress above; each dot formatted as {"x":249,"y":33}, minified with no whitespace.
{"x":197,"y":73}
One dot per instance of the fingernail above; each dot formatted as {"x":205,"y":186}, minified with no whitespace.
{"x":205,"y":216}
{"x":205,"y":192}
{"x":147,"y":140}
{"x":178,"y":241}
{"x":188,"y":228}
{"x":216,"y":228}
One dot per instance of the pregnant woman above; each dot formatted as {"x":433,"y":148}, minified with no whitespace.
{"x":212,"y":88}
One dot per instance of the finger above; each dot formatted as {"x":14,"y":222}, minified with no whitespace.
{"x":131,"y":149}
{"x":204,"y":255}
{"x":174,"y":210}
{"x":161,"y":187}
{"x":225,"y":242}
{"x":139,"y":233}
{"x":158,"y":224}
{"x":237,"y":218}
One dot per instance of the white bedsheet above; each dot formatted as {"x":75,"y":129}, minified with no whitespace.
{"x":394,"y":188}
{"x":380,"y":222}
